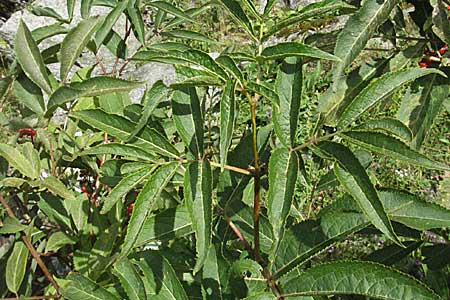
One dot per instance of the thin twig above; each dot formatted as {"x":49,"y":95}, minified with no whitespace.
{"x":52,"y":157}
{"x":30,"y":247}
{"x":239,"y":235}
{"x":230,"y":168}
{"x":100,"y":63}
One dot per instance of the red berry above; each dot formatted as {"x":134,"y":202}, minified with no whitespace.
{"x":83,"y":189}
{"x":443,"y":49}
{"x":423,"y":64}
{"x":99,"y":163}
{"x":26,"y":131}
{"x":448,"y":7}
{"x":130,"y":209}
{"x":87,"y":194}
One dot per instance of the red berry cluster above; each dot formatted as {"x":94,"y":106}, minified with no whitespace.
{"x":432,"y":58}
{"x":85,"y":191}
{"x":26,"y":132}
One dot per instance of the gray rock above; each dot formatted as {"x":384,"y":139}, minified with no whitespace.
{"x":148,"y":73}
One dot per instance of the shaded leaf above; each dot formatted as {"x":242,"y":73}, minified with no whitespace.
{"x":137,"y":22}
{"x":227,"y":63}
{"x":130,"y":279}
{"x":188,"y":119}
{"x":169,"y":224}
{"x":378,"y":90}
{"x":357,"y":183}
{"x":85,"y":8}
{"x":58,"y":240}
{"x":145,"y":203}
{"x":82,"y":288}
{"x":29,"y":94}
{"x":124,"y":187}
{"x":239,"y":15}
{"x":125,"y":150}
{"x":188,"y":35}
{"x":198,"y":196}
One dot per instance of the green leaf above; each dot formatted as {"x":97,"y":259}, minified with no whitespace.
{"x":82,"y":288}
{"x":152,"y":97}
{"x":283,"y":169}
{"x":188,"y":58}
{"x":30,"y":59}
{"x":390,"y":146}
{"x":187,"y":35}
{"x":408,"y":209}
{"x":70,"y":8}
{"x":378,"y":90}
{"x":78,"y":209}
{"x":389,"y":126}
{"x":313,"y":10}
{"x":198,"y":196}
{"x":392,"y":254}
{"x":55,"y":186}
{"x":214,"y":275}
{"x":188,"y":119}
{"x":11,"y":225}
{"x":29,"y":94}
{"x":44,"y":32}
{"x":356,"y":182}
{"x":441,"y":24}
{"x":137,"y":23}
{"x":91,"y":87}
{"x":18,"y":161}
{"x":288,"y":86}
{"x":239,"y":15}
{"x":351,"y":41}
{"x":58,"y":240}
{"x":5,"y":84}
{"x":74,"y":43}
{"x":266,"y":92}
{"x":170,"y":9}
{"x":169,"y":224}
{"x":421,"y":105}
{"x":288,"y":49}
{"x":145,"y":203}
{"x":357,"y":278}
{"x":121,"y":128}
{"x":16,"y":266}
{"x":130,"y":279}
{"x":42,"y":11}
{"x":116,"y":45}
{"x":124,"y":150}
{"x":269,"y":6}
{"x":124,"y":186}
{"x":161,"y":279}
{"x":114,"y":103}
{"x":108,"y":23}
{"x":227,"y":63}
{"x":197,"y":81}
{"x":85,"y":8}
{"x":227,"y":120}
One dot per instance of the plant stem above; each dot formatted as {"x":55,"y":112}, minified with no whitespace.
{"x":230,"y":168}
{"x":239,"y":234}
{"x":257,"y":183}
{"x":30,"y":247}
